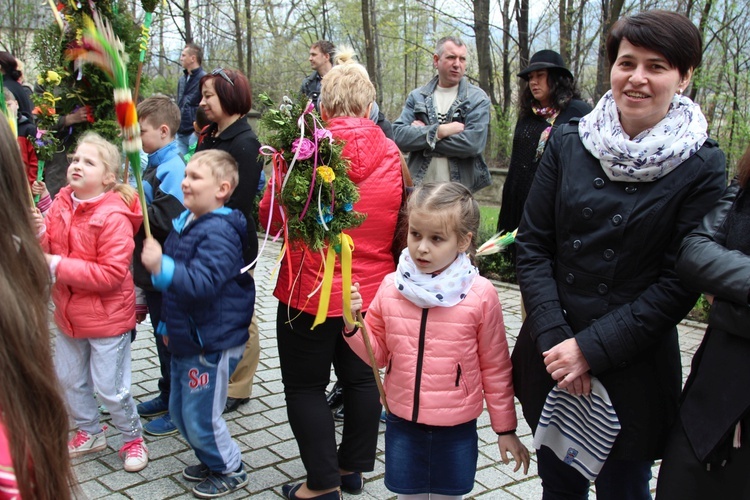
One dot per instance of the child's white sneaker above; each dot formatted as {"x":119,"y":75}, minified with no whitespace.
{"x":135,"y":455}
{"x":83,"y":443}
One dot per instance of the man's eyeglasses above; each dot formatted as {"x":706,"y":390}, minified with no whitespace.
{"x":220,"y":72}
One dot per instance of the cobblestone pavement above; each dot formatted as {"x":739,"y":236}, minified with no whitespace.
{"x":262,"y":431}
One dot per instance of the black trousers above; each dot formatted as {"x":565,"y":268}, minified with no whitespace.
{"x":306,"y":356}
{"x":153,"y":301}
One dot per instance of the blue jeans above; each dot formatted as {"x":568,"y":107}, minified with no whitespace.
{"x":196,"y":403}
{"x":184,"y":141}
{"x":618,"y":479}
{"x":434,"y":459}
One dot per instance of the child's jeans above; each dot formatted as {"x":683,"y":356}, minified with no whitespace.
{"x":196,"y":402}
{"x":102,"y":365}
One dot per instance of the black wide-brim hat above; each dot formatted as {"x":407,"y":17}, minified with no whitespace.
{"x":545,"y":59}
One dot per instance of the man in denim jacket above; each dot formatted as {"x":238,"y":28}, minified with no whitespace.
{"x":444,"y":124}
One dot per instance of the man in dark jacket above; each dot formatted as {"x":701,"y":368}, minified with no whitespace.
{"x":321,"y":55}
{"x":189,"y":94}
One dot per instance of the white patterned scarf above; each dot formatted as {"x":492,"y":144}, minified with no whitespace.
{"x":444,"y":289}
{"x":651,"y":154}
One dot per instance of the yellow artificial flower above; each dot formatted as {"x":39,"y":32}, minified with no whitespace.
{"x":326,"y":173}
{"x":53,"y":77}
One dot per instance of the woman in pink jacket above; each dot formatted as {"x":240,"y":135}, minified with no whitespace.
{"x":89,"y":243}
{"x":306,"y":355}
{"x":437,"y":328}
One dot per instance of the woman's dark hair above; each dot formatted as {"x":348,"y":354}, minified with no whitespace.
{"x":670,"y":34}
{"x":743,"y":169}
{"x":9,"y":65}
{"x":31,"y":405}
{"x":562,"y":90}
{"x":235,"y":99}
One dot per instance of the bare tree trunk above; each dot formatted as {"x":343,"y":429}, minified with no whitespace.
{"x":186,"y":20}
{"x":238,"y":38}
{"x":507,"y":92}
{"x":375,"y":41}
{"x":369,"y":44}
{"x":162,"y":52}
{"x":249,"y":39}
{"x":565,"y":30}
{"x":482,"y":36}
{"x":610,"y":13}
{"x":695,"y":87}
{"x":522,"y":20}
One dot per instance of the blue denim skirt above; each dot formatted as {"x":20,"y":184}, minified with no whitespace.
{"x":430,"y":459}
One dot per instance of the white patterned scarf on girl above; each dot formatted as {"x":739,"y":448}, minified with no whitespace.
{"x":653,"y":153}
{"x":444,"y":289}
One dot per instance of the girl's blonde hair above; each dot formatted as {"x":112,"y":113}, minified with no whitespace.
{"x":346,"y":90}
{"x":454,"y":202}
{"x":111,"y":158}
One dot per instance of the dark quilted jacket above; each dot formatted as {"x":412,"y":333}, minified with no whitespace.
{"x":207,"y":304}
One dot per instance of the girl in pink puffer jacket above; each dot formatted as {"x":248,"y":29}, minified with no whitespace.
{"x":437,"y":328}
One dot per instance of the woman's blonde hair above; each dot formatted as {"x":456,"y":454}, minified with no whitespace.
{"x":346,"y":90}
{"x":111,"y":158}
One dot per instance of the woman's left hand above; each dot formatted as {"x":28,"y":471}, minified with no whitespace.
{"x":565,"y":362}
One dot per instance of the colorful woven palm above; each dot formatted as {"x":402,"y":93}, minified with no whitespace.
{"x":497,"y":243}
{"x":100,"y":46}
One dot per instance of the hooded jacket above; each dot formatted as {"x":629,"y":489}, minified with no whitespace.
{"x":442,"y":362}
{"x":93,"y":293}
{"x":376,"y":170}
{"x":207,"y":304}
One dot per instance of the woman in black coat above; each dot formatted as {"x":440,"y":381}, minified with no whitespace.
{"x":549,"y":100}
{"x":614,"y":195}
{"x":708,"y":452}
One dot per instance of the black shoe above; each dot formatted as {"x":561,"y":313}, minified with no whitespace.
{"x":290,"y":491}
{"x":335,"y":398}
{"x":233,"y":403}
{"x":353,"y":483}
{"x":338,"y":415}
{"x":196,"y":473}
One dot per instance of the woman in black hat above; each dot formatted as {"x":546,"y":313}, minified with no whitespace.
{"x":550,"y":99}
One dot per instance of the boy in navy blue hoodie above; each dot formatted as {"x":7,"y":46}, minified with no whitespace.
{"x":207,"y":309}
{"x":159,"y":119}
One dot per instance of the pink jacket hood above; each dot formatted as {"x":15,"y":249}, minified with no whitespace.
{"x":93,"y":292}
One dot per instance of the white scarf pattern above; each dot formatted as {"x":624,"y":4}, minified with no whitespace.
{"x":653,"y":153}
{"x":445,"y":289}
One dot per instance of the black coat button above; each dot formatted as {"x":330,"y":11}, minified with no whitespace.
{"x":602,"y":289}
{"x":598,"y":183}
{"x":617,"y":219}
{"x":609,"y":254}
{"x":630,"y":189}
{"x":570,"y":279}
{"x":576,"y":244}
{"x":587,"y":213}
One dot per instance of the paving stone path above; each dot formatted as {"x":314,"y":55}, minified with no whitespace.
{"x":264,"y":435}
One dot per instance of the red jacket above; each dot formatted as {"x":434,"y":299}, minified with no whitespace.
{"x":94,"y":294}
{"x":376,"y":169}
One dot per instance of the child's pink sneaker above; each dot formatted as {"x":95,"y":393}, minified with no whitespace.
{"x":135,"y":455}
{"x":83,"y":443}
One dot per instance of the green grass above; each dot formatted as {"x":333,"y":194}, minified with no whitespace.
{"x":487,"y":222}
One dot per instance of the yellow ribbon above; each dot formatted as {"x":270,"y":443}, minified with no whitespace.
{"x":347,"y":246}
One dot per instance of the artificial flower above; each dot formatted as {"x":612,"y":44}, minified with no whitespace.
{"x":326,"y":173}
{"x":304,"y":148}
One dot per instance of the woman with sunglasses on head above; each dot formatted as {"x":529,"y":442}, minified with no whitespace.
{"x":614,"y":195}
{"x":226,"y":99}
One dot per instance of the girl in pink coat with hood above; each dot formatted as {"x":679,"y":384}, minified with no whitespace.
{"x":88,"y":240}
{"x":437,"y":328}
